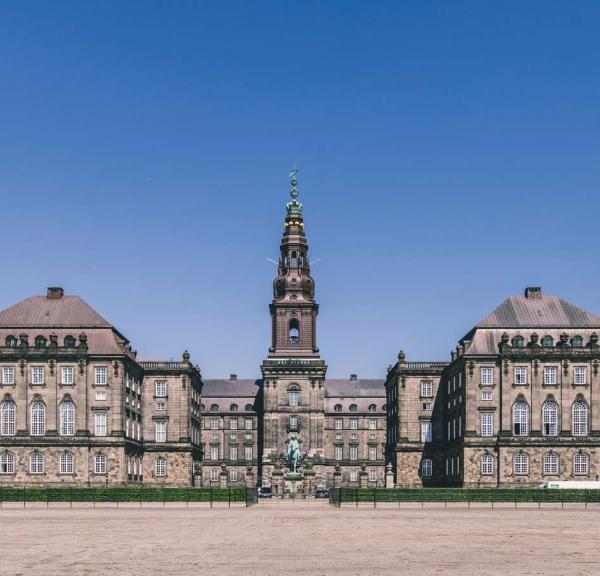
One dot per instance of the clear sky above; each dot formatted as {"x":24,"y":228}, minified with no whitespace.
{"x":449,"y":156}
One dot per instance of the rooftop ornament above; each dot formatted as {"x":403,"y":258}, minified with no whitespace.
{"x":294,"y":205}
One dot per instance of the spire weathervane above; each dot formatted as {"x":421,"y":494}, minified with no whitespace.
{"x":294,"y":205}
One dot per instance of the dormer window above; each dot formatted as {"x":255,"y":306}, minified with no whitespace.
{"x":518,"y":342}
{"x":577,"y":342}
{"x":69,"y":342}
{"x":40,"y":342}
{"x":353,"y":407}
{"x":547,"y":342}
{"x":233,"y":408}
{"x":11,"y":342}
{"x":294,"y":332}
{"x":337,"y":408}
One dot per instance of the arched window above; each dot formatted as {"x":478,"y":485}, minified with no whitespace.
{"x":338,"y":407}
{"x":551,"y":463}
{"x":353,"y":407}
{"x":487,"y":465}
{"x":233,"y":408}
{"x":581,"y":464}
{"x":67,"y":418}
{"x":214,"y":407}
{"x":7,"y":418}
{"x":40,"y":342}
{"x":520,"y":419}
{"x":521,"y":464}
{"x":372,"y":408}
{"x":100,"y":464}
{"x":11,"y":342}
{"x":36,"y":463}
{"x":160,"y":466}
{"x":426,"y":468}
{"x":294,"y":260}
{"x":38,"y":419}
{"x":547,"y":342}
{"x":7,"y":463}
{"x":580,"y":418}
{"x":249,"y":408}
{"x":518,"y":342}
{"x":69,"y":342}
{"x":577,"y":342}
{"x":66,"y":463}
{"x":550,"y":419}
{"x":294,"y":332}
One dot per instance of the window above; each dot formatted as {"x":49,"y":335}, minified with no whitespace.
{"x":66,"y":463}
{"x":233,"y":408}
{"x":233,"y":475}
{"x":7,"y":463}
{"x":11,"y":342}
{"x":214,"y":452}
{"x":577,"y":342}
{"x":69,"y":342}
{"x":160,"y":388}
{"x":551,"y":463}
{"x":353,"y":475}
{"x":214,"y":407}
{"x":550,"y":376}
{"x":580,"y":375}
{"x":100,"y":423}
{"x":372,"y":476}
{"x":38,"y":419}
{"x":40,"y":342}
{"x":247,"y":452}
{"x":487,"y":376}
{"x":248,"y":424}
{"x":372,"y":423}
{"x":100,"y":464}
{"x":518,"y":342}
{"x":293,"y":422}
{"x":233,"y":423}
{"x":160,"y":431}
{"x":487,"y":423}
{"x":7,"y":418}
{"x":487,"y":465}
{"x":66,"y":375}
{"x":353,"y":423}
{"x":294,"y":332}
{"x":426,"y":468}
{"x":426,"y":431}
{"x":160,"y":466}
{"x":233,"y":452}
{"x":161,"y":406}
{"x":426,"y":388}
{"x":8,"y":375}
{"x":294,"y":397}
{"x":581,"y":465}
{"x":521,"y":464}
{"x":520,"y":419}
{"x":214,"y":475}
{"x":36,"y":463}
{"x":353,"y":452}
{"x":353,"y":407}
{"x":487,"y":396}
{"x":67,"y":418}
{"x":339,"y":424}
{"x":427,"y":406}
{"x":547,"y":342}
{"x":37,"y":375}
{"x":550,"y":419}
{"x":520,"y":376}
{"x":100,"y":394}
{"x":249,"y":408}
{"x":338,"y":452}
{"x":372,"y":452}
{"x":101,"y":376}
{"x":338,"y":408}
{"x":372,"y":408}
{"x":580,"y":418}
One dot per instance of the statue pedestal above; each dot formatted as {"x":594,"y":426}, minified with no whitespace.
{"x":293,"y":481}
{"x":308,"y":482}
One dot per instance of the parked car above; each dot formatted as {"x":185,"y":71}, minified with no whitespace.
{"x":265,"y":492}
{"x":322,"y":493}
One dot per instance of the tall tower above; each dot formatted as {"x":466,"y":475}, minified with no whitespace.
{"x":293,"y":373}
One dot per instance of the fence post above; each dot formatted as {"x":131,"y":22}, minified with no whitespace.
{"x":468,"y":499}
{"x":70,"y":496}
{"x":586,"y":498}
{"x":23,"y":497}
{"x":187,"y":496}
{"x":47,"y":496}
{"x":562,"y":499}
{"x":374,"y":499}
{"x":355,"y":495}
{"x":229,"y":496}
{"x":94,"y":489}
{"x":1,"y":496}
{"x":211,"y":496}
{"x":515,"y":490}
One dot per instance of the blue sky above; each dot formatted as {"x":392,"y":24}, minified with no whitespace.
{"x":448,"y":156}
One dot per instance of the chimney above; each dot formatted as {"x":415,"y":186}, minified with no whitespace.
{"x":233,"y":377}
{"x":353,"y":377}
{"x":533,"y":292}
{"x":55,"y":293}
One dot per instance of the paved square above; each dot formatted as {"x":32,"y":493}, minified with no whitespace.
{"x":295,"y":539}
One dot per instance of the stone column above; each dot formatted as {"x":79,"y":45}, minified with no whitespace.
{"x":363,"y":477}
{"x":337,"y":477}
{"x":250,"y":477}
{"x":223,"y":476}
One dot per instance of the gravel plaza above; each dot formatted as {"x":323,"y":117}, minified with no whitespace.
{"x":302,"y":537}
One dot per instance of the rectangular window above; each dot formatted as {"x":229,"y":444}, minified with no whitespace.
{"x":214,"y":453}
{"x":215,"y":423}
{"x":353,"y":423}
{"x":487,"y":376}
{"x":248,"y":424}
{"x":233,"y":452}
{"x":353,"y":475}
{"x":372,"y":452}
{"x":427,"y":406}
{"x":339,"y":424}
{"x":160,"y":406}
{"x":580,"y":376}
{"x":426,"y":431}
{"x":293,"y":422}
{"x":37,"y":375}
{"x":487,"y":423}
{"x":372,"y":476}
{"x":100,"y":423}
{"x":520,"y":376}
{"x":486,"y":395}
{"x":233,"y":475}
{"x":487,"y":465}
{"x":66,"y":375}
{"x":100,"y":394}
{"x":372,"y":423}
{"x":521,"y":464}
{"x":294,"y":398}
{"x":160,"y":431}
{"x":426,"y":388}
{"x":550,"y":376}
{"x":8,"y":375}
{"x":338,"y":452}
{"x":214,"y":474}
{"x":233,"y":424}
{"x":353,"y":452}
{"x":247,"y":452}
{"x":101,"y":376}
{"x":160,"y":389}
{"x":551,"y":463}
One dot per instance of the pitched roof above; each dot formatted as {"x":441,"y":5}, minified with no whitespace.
{"x":351,"y":388}
{"x":241,"y":388}
{"x":542,"y":312}
{"x":40,"y":311}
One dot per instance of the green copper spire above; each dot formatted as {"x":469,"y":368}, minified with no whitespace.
{"x":294,"y":205}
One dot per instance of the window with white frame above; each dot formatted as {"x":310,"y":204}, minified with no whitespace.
{"x":372,"y":476}
{"x":66,"y":463}
{"x":426,"y":468}
{"x":160,"y":388}
{"x":372,"y":423}
{"x":293,"y":422}
{"x":67,"y":418}
{"x":100,"y":394}
{"x":353,"y":423}
{"x":487,"y":424}
{"x":551,"y":463}
{"x":425,"y":430}
{"x":233,"y":452}
{"x":233,"y":476}
{"x":36,"y":463}
{"x":248,"y":424}
{"x":427,"y":406}
{"x":353,"y":475}
{"x":160,"y":431}
{"x":100,"y":464}
{"x":338,"y":452}
{"x":214,"y":452}
{"x":101,"y":378}
{"x":339,"y":424}
{"x":233,"y":423}
{"x":372,"y":452}
{"x":66,"y":375}
{"x":294,"y":397}
{"x":37,"y":375}
{"x":487,"y":464}
{"x":520,"y":376}
{"x":580,"y":375}
{"x":160,"y":466}
{"x":521,"y":464}
{"x":7,"y":418}
{"x":487,"y":395}
{"x":426,"y":388}
{"x":161,"y":406}
{"x":580,"y":418}
{"x":520,"y":419}
{"x":487,"y":376}
{"x":550,"y":375}
{"x":214,"y":475}
{"x":100,"y":423}
{"x":550,"y":419}
{"x":215,"y":423}
{"x":38,"y":419}
{"x":247,"y":452}
{"x":581,"y":464}
{"x":353,"y":452}
{"x":8,"y":375}
{"x":7,"y":463}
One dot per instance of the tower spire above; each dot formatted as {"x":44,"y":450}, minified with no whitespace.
{"x":294,"y":205}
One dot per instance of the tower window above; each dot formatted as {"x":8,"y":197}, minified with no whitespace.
{"x":294,"y":333}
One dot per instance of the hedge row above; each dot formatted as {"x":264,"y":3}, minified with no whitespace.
{"x":125,"y":494}
{"x":463,"y":495}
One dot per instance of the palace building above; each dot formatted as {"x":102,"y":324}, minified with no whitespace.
{"x":516,"y":405}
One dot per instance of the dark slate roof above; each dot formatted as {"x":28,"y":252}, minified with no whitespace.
{"x":335,"y":388}
{"x":40,"y":311}
{"x":543,"y":312}
{"x":241,"y":388}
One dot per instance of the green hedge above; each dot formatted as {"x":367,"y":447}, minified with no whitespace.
{"x":125,"y":494}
